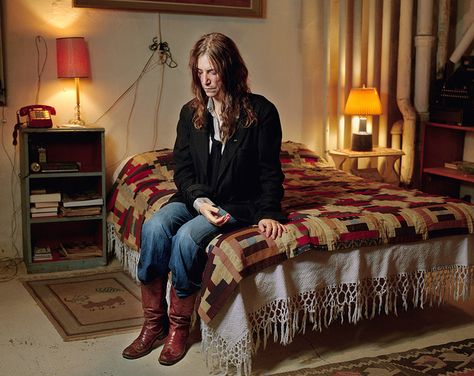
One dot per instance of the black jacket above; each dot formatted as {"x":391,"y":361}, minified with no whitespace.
{"x":250,"y":179}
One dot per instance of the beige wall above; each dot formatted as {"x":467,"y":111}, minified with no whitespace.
{"x":118,"y":44}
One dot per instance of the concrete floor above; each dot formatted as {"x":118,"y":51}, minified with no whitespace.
{"x":29,"y":344}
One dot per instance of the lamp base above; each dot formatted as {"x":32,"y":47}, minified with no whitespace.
{"x":78,"y":122}
{"x":361,"y":141}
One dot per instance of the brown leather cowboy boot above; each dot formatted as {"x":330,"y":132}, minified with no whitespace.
{"x":181,"y":310}
{"x":155,"y":326}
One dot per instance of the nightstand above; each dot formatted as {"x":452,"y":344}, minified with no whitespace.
{"x":59,"y":166}
{"x":391,"y":156}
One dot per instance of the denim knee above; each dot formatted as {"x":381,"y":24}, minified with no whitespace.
{"x":155,"y":251}
{"x":187,"y":261}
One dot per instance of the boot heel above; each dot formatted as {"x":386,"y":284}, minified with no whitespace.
{"x":155,"y":325}
{"x":180,"y":314}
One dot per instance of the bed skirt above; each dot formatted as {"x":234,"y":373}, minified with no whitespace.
{"x":317,"y":289}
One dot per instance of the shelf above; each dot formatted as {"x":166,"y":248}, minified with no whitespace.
{"x":65,"y":265}
{"x":86,"y":147}
{"x":461,"y":128}
{"x":78,"y":218}
{"x":449,"y":173}
{"x":74,"y":174}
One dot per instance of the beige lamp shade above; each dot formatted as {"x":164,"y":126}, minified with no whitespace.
{"x":363,"y":101}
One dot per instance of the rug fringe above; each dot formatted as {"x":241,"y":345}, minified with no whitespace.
{"x":322,"y":307}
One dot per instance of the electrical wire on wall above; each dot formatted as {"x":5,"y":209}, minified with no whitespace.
{"x":166,"y":59}
{"x":9,"y":265}
{"x":163,"y":57}
{"x":39,"y":40}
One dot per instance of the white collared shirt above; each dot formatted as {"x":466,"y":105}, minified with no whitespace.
{"x":216,"y":123}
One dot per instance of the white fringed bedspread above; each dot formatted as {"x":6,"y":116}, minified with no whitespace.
{"x":317,"y":289}
{"x":353,"y":249}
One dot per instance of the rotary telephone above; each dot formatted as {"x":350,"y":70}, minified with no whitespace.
{"x":37,"y":116}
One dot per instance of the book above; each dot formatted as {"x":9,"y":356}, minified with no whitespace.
{"x":77,"y":250}
{"x":452,"y":165}
{"x":82,"y":199}
{"x":77,"y":211}
{"x":46,"y":209}
{"x":46,"y":204}
{"x":466,"y":167}
{"x":44,"y":214}
{"x":42,"y":254}
{"x":45,"y":197}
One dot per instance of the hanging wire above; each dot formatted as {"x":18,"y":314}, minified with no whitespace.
{"x":157,"y":108}
{"x":8,"y":265}
{"x":160,"y":90}
{"x":165,"y":58}
{"x":40,"y":66}
{"x":134,"y":87}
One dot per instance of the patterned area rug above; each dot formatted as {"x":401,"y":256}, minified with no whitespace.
{"x":451,"y":359}
{"x":89,"y":306}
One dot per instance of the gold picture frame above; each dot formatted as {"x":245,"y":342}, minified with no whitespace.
{"x":231,"y":8}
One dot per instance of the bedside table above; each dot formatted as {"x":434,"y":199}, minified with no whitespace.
{"x":391,"y":156}
{"x":59,"y":236}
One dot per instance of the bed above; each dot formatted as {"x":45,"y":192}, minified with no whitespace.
{"x":354,"y":249}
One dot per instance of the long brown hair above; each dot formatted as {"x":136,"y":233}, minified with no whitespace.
{"x":229,"y":65}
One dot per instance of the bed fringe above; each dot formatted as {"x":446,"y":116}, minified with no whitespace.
{"x":126,"y":255}
{"x":319,"y":308}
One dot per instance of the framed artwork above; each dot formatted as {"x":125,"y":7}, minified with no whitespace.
{"x":231,"y":8}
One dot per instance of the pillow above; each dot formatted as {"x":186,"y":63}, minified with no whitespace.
{"x":156,"y":163}
{"x":294,"y":154}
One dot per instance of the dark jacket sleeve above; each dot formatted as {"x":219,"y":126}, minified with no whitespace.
{"x":271,"y":175}
{"x":186,"y":174}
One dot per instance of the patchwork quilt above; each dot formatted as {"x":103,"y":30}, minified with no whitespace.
{"x":329,"y":210}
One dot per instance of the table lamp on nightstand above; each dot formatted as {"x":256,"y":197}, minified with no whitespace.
{"x":363,"y":102}
{"x":73,"y":62}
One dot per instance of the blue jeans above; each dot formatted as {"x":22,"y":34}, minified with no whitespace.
{"x":175,"y":239}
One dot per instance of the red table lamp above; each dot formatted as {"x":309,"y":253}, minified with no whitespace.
{"x":73,"y":62}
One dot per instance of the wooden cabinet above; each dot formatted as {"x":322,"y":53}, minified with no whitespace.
{"x":70,"y":162}
{"x":443,"y":143}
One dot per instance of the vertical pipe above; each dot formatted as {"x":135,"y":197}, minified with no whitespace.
{"x":373,"y":58}
{"x":385,"y":63}
{"x":341,"y":92}
{"x":403,"y":90}
{"x":443,"y":37}
{"x":314,"y":53}
{"x":333,"y":63}
{"x":385,"y":70}
{"x":357,"y":50}
{"x":424,"y":41}
{"x":370,"y":54}
{"x":349,"y":69}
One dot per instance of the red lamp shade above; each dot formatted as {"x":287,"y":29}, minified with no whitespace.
{"x":72,"y":58}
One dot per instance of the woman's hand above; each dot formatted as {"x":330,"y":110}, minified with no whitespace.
{"x":214,"y":214}
{"x":271,"y":228}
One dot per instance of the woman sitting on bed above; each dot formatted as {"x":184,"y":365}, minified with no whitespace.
{"x":228,"y":176}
